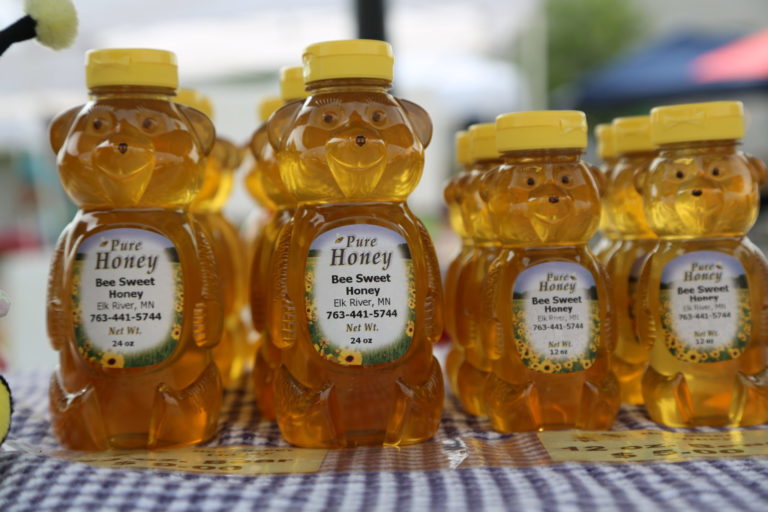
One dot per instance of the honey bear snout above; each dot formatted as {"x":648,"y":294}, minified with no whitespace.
{"x":356,"y":147}
{"x":124,"y":155}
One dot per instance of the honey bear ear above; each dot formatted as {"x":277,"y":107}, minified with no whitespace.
{"x":600,"y":179}
{"x":419,"y":119}
{"x":277,"y":124}
{"x":233,"y":154}
{"x":758,"y":169}
{"x":60,"y":127}
{"x":201,"y":126}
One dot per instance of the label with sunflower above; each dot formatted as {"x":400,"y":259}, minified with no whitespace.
{"x":127,"y":298}
{"x":705,"y":308}
{"x":556,"y":317}
{"x":360,"y":295}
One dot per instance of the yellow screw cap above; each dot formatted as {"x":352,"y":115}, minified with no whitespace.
{"x":195,"y":99}
{"x":715,"y":120}
{"x":542,"y":129}
{"x":269,"y":105}
{"x":353,"y":58}
{"x":482,"y":142}
{"x":632,"y":134}
{"x":292,"y":83}
{"x":134,"y":66}
{"x":462,"y":147}
{"x":606,"y":142}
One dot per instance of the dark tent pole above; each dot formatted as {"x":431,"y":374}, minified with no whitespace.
{"x":370,"y":19}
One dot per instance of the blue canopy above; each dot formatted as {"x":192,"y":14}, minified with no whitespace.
{"x":660,"y":70}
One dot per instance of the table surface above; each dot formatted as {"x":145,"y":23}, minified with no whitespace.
{"x":42,"y":481}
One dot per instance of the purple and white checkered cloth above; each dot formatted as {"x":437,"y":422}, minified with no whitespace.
{"x":31,"y":482}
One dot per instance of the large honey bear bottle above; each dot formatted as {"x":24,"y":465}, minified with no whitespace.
{"x":634,"y":240}
{"x":267,"y":353}
{"x":471,"y":319}
{"x":702,"y":292}
{"x":134,"y":305}
{"x":549,"y":294}
{"x":233,"y":354}
{"x":357,"y":301}
{"x":452,"y":196}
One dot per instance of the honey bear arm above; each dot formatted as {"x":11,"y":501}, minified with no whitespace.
{"x":762,"y":282}
{"x":608,"y":330}
{"x":493,"y":339}
{"x":207,"y":317}
{"x":56,"y":321}
{"x":282,"y":311}
{"x":258,"y":295}
{"x":646,"y":322}
{"x":433,"y":317}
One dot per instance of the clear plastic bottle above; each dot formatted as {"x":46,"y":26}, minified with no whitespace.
{"x":233,"y":354}
{"x":634,"y":240}
{"x":451,"y":194}
{"x":470,"y":290}
{"x":702,"y":291}
{"x":358,"y":300}
{"x":134,"y":305}
{"x":551,"y":366}
{"x":267,"y":354}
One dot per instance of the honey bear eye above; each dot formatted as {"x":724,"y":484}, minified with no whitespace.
{"x":329,"y":118}
{"x":715,"y":172}
{"x":565,"y":180}
{"x":378,"y":116}
{"x":530,"y":181}
{"x":98,"y":124}
{"x":148,"y":124}
{"x":680,"y":174}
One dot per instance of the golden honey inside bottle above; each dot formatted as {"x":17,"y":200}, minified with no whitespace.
{"x":702,"y":292}
{"x":267,"y":353}
{"x":606,"y":151}
{"x":623,"y":204}
{"x":452,"y":198}
{"x":470,"y":291}
{"x":358,"y":300}
{"x":551,"y":366}
{"x":233,"y":354}
{"x":134,"y":305}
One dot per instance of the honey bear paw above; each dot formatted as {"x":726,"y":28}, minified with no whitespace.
{"x":304,"y":414}
{"x":510,"y":407}
{"x":414,"y":417}
{"x":186,"y":416}
{"x":76,"y":417}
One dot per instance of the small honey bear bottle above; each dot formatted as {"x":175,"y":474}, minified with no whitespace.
{"x":267,"y":353}
{"x":358,"y":299}
{"x":233,"y":354}
{"x":470,"y":290}
{"x":134,"y":305}
{"x":623,"y":205}
{"x":606,"y":151}
{"x":551,"y":365}
{"x":451,"y":194}
{"x":703,"y":303}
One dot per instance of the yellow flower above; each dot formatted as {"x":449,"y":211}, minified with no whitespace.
{"x":409,"y":328}
{"x":350,"y":358}
{"x":586,"y":363}
{"x":568,"y":364}
{"x":176,"y":331}
{"x":411,"y":303}
{"x":734,"y":352}
{"x":547,"y":366}
{"x":112,"y":360}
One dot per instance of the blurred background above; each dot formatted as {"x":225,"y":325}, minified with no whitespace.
{"x":465,"y":62}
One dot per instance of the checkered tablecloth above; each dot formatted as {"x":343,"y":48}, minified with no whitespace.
{"x":31,"y":482}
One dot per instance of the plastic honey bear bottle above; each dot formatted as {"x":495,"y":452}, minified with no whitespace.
{"x":357,"y":301}
{"x":451,"y":194}
{"x":606,"y":151}
{"x":702,"y":292}
{"x":233,"y":354}
{"x":268,"y":354}
{"x":551,"y":365}
{"x":470,"y":317}
{"x":134,"y":306}
{"x":623,"y":205}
